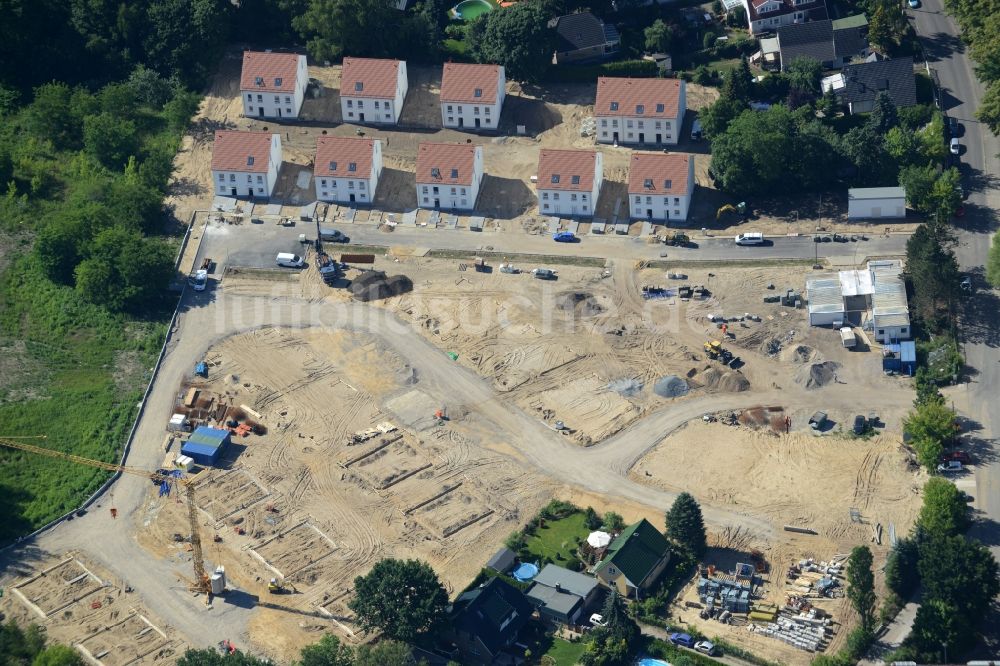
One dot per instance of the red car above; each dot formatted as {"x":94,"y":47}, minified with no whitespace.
{"x":960,"y":456}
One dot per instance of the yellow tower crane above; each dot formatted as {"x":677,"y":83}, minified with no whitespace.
{"x":201,"y":583}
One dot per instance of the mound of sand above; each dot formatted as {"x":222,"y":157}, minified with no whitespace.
{"x":799,"y":354}
{"x":670,"y":386}
{"x":729,"y":381}
{"x":580,"y":302}
{"x":817,"y":374}
{"x":626,"y":386}
{"x":374,"y":285}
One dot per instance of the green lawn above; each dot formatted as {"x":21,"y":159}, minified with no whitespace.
{"x":556,"y":540}
{"x":566,"y":653}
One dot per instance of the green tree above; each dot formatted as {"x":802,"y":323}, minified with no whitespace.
{"x":880,"y":30}
{"x":685,"y":525}
{"x":738,"y":84}
{"x":736,"y":17}
{"x":861,"y":585}
{"x":384,"y":653}
{"x":918,"y":181}
{"x":901,"y":574}
{"x":149,"y":88}
{"x":884,"y":115}
{"x":20,"y":646}
{"x":591,"y":519}
{"x":210,"y":657}
{"x":931,"y":427}
{"x":829,"y":103}
{"x":58,"y":655}
{"x":613,"y":522}
{"x":110,"y":140}
{"x":993,"y":262}
{"x":329,"y":651}
{"x":939,"y":626}
{"x":946,"y":195}
{"x":615,"y":642}
{"x":402,"y":598}
{"x":335,"y":28}
{"x":989,"y":109}
{"x":933,"y":145}
{"x":804,"y":75}
{"x":179,"y":110}
{"x":659,"y":37}
{"x":118,"y":99}
{"x":944,"y":512}
{"x":960,"y":572}
{"x":95,"y":282}
{"x":716,"y":117}
{"x":865,"y":148}
{"x":518,"y":39}
{"x":54,"y":116}
{"x":933,"y":270}
{"x":903,"y":146}
{"x":708,"y":41}
{"x":927,"y":390}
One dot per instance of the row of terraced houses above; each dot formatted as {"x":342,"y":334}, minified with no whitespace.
{"x":449,"y":176}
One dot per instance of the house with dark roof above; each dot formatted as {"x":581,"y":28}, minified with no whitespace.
{"x":583,"y":37}
{"x":488,"y":619}
{"x":634,"y":560}
{"x":563,"y":596}
{"x":273,"y":85}
{"x":769,"y":15}
{"x":858,"y":85}
{"x":821,"y":41}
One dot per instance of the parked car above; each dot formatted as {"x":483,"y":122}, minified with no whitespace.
{"x":200,"y":280}
{"x":333,"y":236}
{"x":289,"y":260}
{"x":859,"y":424}
{"x":544,"y":273}
{"x":750,"y":238}
{"x":597,"y":620}
{"x":954,"y":147}
{"x":960,"y":456}
{"x":684,"y":640}
{"x":966,"y":283}
{"x":564,"y":237}
{"x":950,"y":466}
{"x":914,"y":4}
{"x":708,"y":647}
{"x":954,"y":127}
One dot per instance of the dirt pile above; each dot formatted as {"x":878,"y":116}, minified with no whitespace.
{"x":374,"y":285}
{"x":799,"y":354}
{"x":818,"y":374}
{"x":729,"y":381}
{"x":670,"y":386}
{"x":626,"y":387}
{"x":580,"y":302}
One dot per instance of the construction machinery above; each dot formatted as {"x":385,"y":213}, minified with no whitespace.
{"x":201,"y":582}
{"x":716,"y":352}
{"x":739,"y":209}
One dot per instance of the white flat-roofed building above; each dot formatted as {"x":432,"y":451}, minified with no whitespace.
{"x":449,"y":175}
{"x":245,"y":164}
{"x":372,"y":90}
{"x":472,"y":95}
{"x":347,"y":169}
{"x":273,"y":85}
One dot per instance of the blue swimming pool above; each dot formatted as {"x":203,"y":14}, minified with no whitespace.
{"x":648,"y":661}
{"x":525,"y":572}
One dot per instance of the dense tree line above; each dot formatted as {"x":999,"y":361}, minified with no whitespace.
{"x":980,"y":22}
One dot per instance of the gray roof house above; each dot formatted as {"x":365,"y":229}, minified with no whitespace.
{"x":858,"y":85}
{"x":583,"y":37}
{"x":821,"y":41}
{"x":562,"y":595}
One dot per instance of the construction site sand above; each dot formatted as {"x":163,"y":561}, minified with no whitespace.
{"x":303,"y":504}
{"x":81,"y":604}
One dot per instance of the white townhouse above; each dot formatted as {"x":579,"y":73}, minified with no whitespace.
{"x":449,"y":175}
{"x":347,"y":169}
{"x":472,"y":95}
{"x":660,"y":186}
{"x":569,"y":181}
{"x":372,"y":90}
{"x":245,"y":164}
{"x":273,"y":85}
{"x":642,"y":111}
{"x":769,"y":15}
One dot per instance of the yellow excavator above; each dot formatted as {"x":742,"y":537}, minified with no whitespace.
{"x":739,"y":209}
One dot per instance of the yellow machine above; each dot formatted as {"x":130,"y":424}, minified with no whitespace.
{"x":713,"y":349}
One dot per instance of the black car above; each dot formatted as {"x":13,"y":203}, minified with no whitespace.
{"x":954,"y":127}
{"x":859,"y":424}
{"x":333,"y":236}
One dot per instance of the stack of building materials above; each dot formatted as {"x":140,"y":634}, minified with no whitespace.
{"x":804,"y":633}
{"x":729,"y":595}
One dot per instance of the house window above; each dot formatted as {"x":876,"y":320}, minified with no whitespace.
{"x":323,"y":182}
{"x":288,"y":100}
{"x":362,"y":196}
{"x":376,"y":104}
{"x":260,"y":189}
{"x":583,"y":197}
{"x":642,"y":124}
{"x":572,"y":197}
{"x":478,"y":92}
{"x":604,"y":134}
{"x":545,"y":195}
{"x":222,"y":177}
{"x":277,"y":100}
{"x":333,"y":184}
{"x":659,"y":125}
{"x":881,"y":331}
{"x":451,"y":119}
{"x":614,"y":122}
{"x":614,"y":106}
{"x":575,"y":180}
{"x":388,"y":116}
{"x":425,"y":199}
{"x":463,"y":191}
{"x":464,"y":202}
{"x":260,"y":179}
{"x":555,"y":196}
{"x":666,"y":201}
{"x":460,"y":109}
{"x":660,"y":108}
{"x":628,"y":123}
{"x":425,"y":189}
{"x":487,"y":110}
{"x":555,"y":178}
{"x":251,"y":108}
{"x":361,"y":185}
{"x":288,"y":111}
{"x":475,"y":110}
{"x":350,"y":114}
{"x":232,"y":178}
{"x":639,"y":109}
{"x":630,"y":135}
{"x":545,"y":206}
{"x":649,"y":201}
{"x":612,"y":571}
{"x":260,"y":98}
{"x":584,"y":208}
{"x":361,"y":103}
{"x":677,"y":213}
{"x":350,"y":104}
{"x":449,"y":108}
{"x":249,"y":98}
{"x":638,"y":199}
{"x":677,"y":201}
{"x":604,"y":122}
{"x":903,"y":331}
{"x":454,"y":191}
{"x":350,"y":184}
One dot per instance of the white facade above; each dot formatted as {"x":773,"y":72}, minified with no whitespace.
{"x":439,"y":195}
{"x":773,"y":14}
{"x":360,"y":189}
{"x":256,"y":183}
{"x":471,"y":115}
{"x":358,"y":108}
{"x":277,"y":104}
{"x":662,"y":206}
{"x":636,"y":129}
{"x":561,"y":202}
{"x":876,"y":203}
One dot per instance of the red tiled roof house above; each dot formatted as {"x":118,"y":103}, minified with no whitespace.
{"x":640,"y":111}
{"x":347,"y":169}
{"x":273,"y":85}
{"x":569,"y":182}
{"x":472,"y":95}
{"x":372,"y":90}
{"x":449,"y":175}
{"x":245,"y":164}
{"x":660,"y":186}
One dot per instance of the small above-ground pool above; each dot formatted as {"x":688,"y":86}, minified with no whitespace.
{"x":649,"y":661}
{"x":468,"y":10}
{"x":525,"y":572}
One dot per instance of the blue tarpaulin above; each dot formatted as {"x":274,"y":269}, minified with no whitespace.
{"x":206,"y":445}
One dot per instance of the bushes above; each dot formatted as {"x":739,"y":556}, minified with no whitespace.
{"x":588,"y":73}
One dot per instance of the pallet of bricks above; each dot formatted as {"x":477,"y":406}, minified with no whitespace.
{"x":805,"y":631}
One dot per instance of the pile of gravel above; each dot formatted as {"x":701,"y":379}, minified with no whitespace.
{"x":374,"y":285}
{"x":670,"y":386}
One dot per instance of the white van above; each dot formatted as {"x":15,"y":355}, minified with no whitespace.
{"x":750,"y":238}
{"x":289,"y":260}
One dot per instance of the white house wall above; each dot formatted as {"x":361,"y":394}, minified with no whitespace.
{"x":340,"y":190}
{"x":376,"y":111}
{"x":653,"y":131}
{"x":259,"y":104}
{"x":875,"y":209}
{"x":453,"y":197}
{"x":454,"y":114}
{"x":255,"y":185}
{"x":665,"y":208}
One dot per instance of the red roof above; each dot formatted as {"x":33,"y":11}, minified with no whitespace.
{"x":369,"y":77}
{"x":241,"y":151}
{"x":567,"y":170}
{"x":658,"y":173}
{"x":645,"y":98}
{"x":269,"y":72}
{"x":446,"y":163}
{"x":335,"y":155}
{"x":460,"y":82}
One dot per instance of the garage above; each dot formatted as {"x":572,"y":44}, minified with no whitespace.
{"x":876,"y":203}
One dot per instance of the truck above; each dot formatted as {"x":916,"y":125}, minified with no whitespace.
{"x":847,"y":337}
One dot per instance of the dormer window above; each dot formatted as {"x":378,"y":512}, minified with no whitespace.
{"x":277,"y":82}
{"x":454,"y":173}
{"x":640,"y":109}
{"x":250,"y":160}
{"x":435,"y":172}
{"x":259,"y":80}
{"x":333,"y":166}
{"x":352,"y":166}
{"x":478,"y":92}
{"x":575,"y":180}
{"x":555,"y":178}
{"x":359,"y":86}
{"x":667,"y":184}
{"x":648,"y":183}
{"x":660,"y":108}
{"x":614,"y":106}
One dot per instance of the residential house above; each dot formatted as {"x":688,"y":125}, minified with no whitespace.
{"x":640,"y":111}
{"x":857,"y":85}
{"x":821,"y":41}
{"x":449,"y":175}
{"x":563,"y":596}
{"x":245,"y":164}
{"x":634,"y":560}
{"x":372,"y":90}
{"x":488,"y":619}
{"x":769,"y":15}
{"x":660,"y":186}
{"x":569,"y":181}
{"x":472,"y":95}
{"x":583,"y":37}
{"x":273,"y":85}
{"x":347,"y":169}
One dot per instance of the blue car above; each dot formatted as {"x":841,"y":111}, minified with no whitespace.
{"x":564,"y":237}
{"x":684,"y":640}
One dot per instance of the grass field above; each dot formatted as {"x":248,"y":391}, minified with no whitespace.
{"x":565,"y":653}
{"x":556,"y":541}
